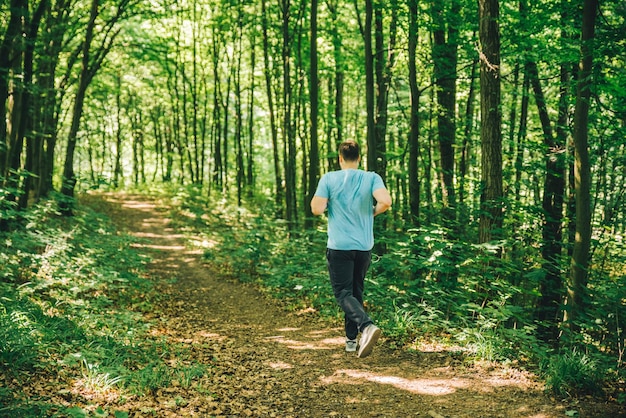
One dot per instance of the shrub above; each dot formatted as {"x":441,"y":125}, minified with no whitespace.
{"x":573,"y":374}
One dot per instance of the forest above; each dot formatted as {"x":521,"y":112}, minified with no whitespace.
{"x":498,"y":127}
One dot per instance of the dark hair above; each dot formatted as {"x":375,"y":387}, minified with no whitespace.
{"x":349,"y":150}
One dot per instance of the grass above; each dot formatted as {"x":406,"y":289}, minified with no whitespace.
{"x":573,"y":373}
{"x":74,"y":340}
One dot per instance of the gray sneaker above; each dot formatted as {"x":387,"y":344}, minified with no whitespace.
{"x":369,"y":336}
{"x":351,"y":346}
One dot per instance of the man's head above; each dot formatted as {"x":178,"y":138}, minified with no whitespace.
{"x":349,"y":151}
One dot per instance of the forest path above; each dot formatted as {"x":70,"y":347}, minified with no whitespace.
{"x":267,"y":362}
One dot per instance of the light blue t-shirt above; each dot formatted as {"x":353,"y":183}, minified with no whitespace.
{"x":350,"y":207}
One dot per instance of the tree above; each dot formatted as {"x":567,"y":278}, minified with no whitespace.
{"x":579,"y":266}
{"x":289,"y":140}
{"x":414,"y":181}
{"x":314,"y":164}
{"x":491,"y":118}
{"x":279,"y":195}
{"x":11,"y":50}
{"x":445,"y":57}
{"x":90,"y":64}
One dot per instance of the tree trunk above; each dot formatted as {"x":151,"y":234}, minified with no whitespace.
{"x":465,"y":149}
{"x":552,"y":204}
{"x":89,"y":69}
{"x":372,"y":163}
{"x":118,"y":173}
{"x":251,"y":103}
{"x":239,"y":149}
{"x":278,"y":179}
{"x":445,"y":59}
{"x":414,"y":180}
{"x":7,"y":51}
{"x":49,"y":99}
{"x":216,"y":129}
{"x":333,"y":6}
{"x":383,"y":65}
{"x":289,"y":143}
{"x":491,"y":119}
{"x":314,"y":159}
{"x":579,"y":265}
{"x":69,"y":178}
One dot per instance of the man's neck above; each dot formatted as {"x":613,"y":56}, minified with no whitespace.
{"x":349,"y":165}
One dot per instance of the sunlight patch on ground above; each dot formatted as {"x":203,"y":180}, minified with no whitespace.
{"x":435,"y":347}
{"x":153,"y":235}
{"x":160,"y":247}
{"x":436,"y":387}
{"x":211,"y":336}
{"x":422,"y":386}
{"x":294,"y":344}
{"x":323,"y":344}
{"x":279,"y":365}
{"x":139,"y":206}
{"x":198,"y":337}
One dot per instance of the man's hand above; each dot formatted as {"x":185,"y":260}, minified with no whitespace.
{"x":318,"y":205}
{"x":383,"y":201}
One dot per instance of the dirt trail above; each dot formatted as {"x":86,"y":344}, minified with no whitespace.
{"x":267,"y":362}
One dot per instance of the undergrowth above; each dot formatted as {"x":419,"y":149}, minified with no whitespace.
{"x":421,"y":288}
{"x":72,"y":299}
{"x":72,"y":305}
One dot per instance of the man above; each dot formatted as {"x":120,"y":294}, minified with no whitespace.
{"x":349,"y":195}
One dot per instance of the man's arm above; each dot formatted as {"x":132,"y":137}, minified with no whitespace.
{"x":318,"y":205}
{"x":383,"y":201}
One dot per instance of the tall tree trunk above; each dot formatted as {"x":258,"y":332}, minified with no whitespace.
{"x":314,"y":158}
{"x":491,"y":119}
{"x":577,"y":286}
{"x":465,"y":149}
{"x":49,"y":98}
{"x":384,"y":62}
{"x":11,"y":137}
{"x":250,"y":152}
{"x":338,"y":124}
{"x":90,"y":66}
{"x":552,"y":204}
{"x":239,"y":149}
{"x":445,"y":57}
{"x":278,"y":179}
{"x":414,"y":133}
{"x":25,"y":127}
{"x":69,"y":177}
{"x":194,"y":96}
{"x":118,"y":174}
{"x":216,"y":129}
{"x":370,"y":94}
{"x":521,"y":137}
{"x":9,"y":58}
{"x":289,"y":144}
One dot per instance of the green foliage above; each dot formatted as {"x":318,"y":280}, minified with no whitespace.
{"x":573,"y":374}
{"x":153,"y":376}
{"x":422,"y":286}
{"x":17,"y":332}
{"x":72,"y":300}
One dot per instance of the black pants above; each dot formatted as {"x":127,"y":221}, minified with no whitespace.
{"x":347,"y":271}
